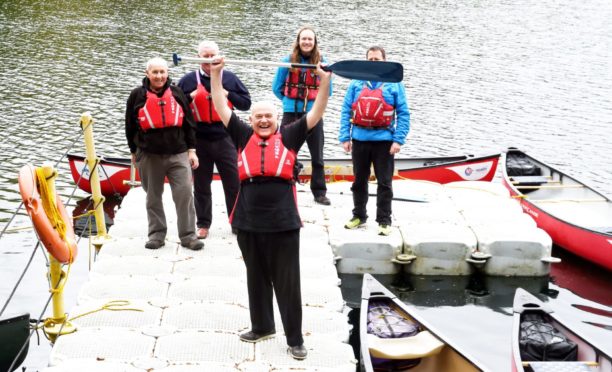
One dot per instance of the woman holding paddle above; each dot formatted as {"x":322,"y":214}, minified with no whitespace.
{"x":297,"y":88}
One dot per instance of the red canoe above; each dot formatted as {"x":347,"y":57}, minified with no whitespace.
{"x":541,"y":341}
{"x":114,"y":171}
{"x":577,"y":218}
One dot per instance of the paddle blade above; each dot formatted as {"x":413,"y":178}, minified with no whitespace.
{"x":389,"y":72}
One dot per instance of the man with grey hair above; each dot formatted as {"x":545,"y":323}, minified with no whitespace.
{"x":160,"y":133}
{"x":213,"y":145}
{"x":266,"y":215}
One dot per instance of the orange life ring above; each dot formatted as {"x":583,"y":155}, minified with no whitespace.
{"x":63,"y":251}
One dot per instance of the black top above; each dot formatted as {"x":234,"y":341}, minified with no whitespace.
{"x":271,"y":205}
{"x":238,"y":95}
{"x":171,"y":140}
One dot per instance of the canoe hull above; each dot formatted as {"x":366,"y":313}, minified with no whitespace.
{"x":449,"y":358}
{"x":590,"y":244}
{"x":435,"y":169}
{"x":114,"y":171}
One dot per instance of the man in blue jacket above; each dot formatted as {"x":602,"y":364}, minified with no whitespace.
{"x":374,"y":124}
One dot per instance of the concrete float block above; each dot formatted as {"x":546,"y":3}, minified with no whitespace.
{"x":92,"y":365}
{"x":515,"y":251}
{"x":362,"y":250}
{"x":130,"y":228}
{"x":430,"y":212}
{"x":486,"y":205}
{"x":213,"y":247}
{"x":122,"y":247}
{"x":204,"y":266}
{"x":207,"y":316}
{"x":311,"y":213}
{"x":121,"y":287}
{"x":313,"y":268}
{"x":492,"y":221}
{"x":440,"y":248}
{"x":199,"y":367}
{"x":201,"y":347}
{"x":314,"y":231}
{"x":339,"y":215}
{"x":319,"y":293}
{"x":111,"y":345}
{"x":131,"y":265}
{"x":470,"y":189}
{"x":132,"y":314}
{"x":425,"y":191}
{"x":322,"y":322}
{"x":324,"y":354}
{"x":222,"y":288}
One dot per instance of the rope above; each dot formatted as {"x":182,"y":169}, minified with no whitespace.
{"x":53,"y":214}
{"x":37,"y":246}
{"x":115,"y":305}
{"x":56,"y":164}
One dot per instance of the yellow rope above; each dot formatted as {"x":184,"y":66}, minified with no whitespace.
{"x":55,"y":218}
{"x":50,"y":208}
{"x":115,"y":305}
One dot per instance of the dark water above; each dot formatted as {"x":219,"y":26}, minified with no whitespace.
{"x":480,"y":76}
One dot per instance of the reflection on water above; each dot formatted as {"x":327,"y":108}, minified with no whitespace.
{"x":84,"y":223}
{"x":480,"y":76}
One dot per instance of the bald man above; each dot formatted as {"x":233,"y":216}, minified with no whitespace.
{"x":266,"y":215}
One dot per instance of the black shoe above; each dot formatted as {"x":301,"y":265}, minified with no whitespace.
{"x":154,"y":244}
{"x":298,"y":352}
{"x":251,"y":336}
{"x":322,"y":199}
{"x":194,"y":245}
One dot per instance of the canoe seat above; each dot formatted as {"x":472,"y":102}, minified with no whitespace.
{"x":422,"y":345}
{"x":529,"y":180}
{"x":559,"y":366}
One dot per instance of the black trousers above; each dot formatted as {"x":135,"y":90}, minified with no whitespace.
{"x":273,"y":267}
{"x":315,"y":142}
{"x":366,"y":153}
{"x":221,"y":153}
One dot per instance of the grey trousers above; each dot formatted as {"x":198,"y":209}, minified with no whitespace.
{"x":153,"y":169}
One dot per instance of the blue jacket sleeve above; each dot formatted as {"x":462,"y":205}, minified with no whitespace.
{"x":278,"y":83}
{"x":344,"y":133}
{"x":402,"y":124}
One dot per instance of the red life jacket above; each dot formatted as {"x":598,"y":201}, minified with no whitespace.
{"x":370,"y":109}
{"x":301,"y":84}
{"x":269,"y":158}
{"x":160,"y":112}
{"x":202,"y":106}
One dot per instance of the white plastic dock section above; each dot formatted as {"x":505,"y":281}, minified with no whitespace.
{"x":173,"y":309}
{"x":452,"y":229}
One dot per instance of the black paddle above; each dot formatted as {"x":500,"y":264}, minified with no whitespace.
{"x":391,"y":72}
